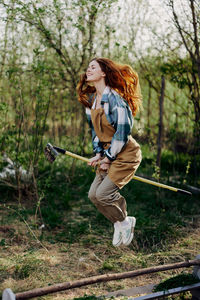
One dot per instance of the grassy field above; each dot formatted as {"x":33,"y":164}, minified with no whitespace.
{"x":76,"y":241}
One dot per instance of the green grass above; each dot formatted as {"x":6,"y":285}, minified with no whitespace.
{"x":27,"y":265}
{"x":163,"y":219}
{"x":162,"y":215}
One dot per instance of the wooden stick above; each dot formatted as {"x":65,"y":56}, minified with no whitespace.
{"x":102,"y":278}
{"x":158,"y":184}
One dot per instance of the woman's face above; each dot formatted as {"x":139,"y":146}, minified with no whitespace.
{"x":94,"y":72}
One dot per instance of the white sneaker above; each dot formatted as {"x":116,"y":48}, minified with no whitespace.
{"x":117,"y":236}
{"x":128,"y":230}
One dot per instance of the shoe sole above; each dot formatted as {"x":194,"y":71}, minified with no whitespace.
{"x":133,"y":222}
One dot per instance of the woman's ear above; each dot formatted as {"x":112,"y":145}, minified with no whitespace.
{"x":103,"y":74}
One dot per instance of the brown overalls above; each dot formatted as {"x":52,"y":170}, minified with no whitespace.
{"x":104,"y":191}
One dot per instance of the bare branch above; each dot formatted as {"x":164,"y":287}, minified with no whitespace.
{"x":196,"y":41}
{"x":180,"y":30}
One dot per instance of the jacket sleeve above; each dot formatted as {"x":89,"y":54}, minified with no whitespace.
{"x":122,"y":122}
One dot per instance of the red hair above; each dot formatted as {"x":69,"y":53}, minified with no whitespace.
{"x":122,"y":78}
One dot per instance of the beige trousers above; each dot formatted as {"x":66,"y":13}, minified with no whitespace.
{"x":106,"y":197}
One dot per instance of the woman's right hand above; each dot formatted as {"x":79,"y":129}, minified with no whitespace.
{"x":94,"y":160}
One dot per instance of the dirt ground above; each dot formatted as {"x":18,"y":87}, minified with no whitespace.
{"x":26,"y":263}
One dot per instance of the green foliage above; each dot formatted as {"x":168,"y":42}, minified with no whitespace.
{"x":25,"y":266}
{"x":38,"y":104}
{"x":183,"y":165}
{"x":62,"y":187}
{"x":111,"y":264}
{"x":179,"y":70}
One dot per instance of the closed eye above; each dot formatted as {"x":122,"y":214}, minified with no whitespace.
{"x":93,"y":67}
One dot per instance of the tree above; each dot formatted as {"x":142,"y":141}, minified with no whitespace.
{"x":189,"y":35}
{"x":160,"y":132}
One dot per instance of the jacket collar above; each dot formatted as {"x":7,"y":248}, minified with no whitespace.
{"x":106,"y":93}
{"x":104,"y":98}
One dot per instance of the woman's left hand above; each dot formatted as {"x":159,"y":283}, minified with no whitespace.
{"x":105,"y":164}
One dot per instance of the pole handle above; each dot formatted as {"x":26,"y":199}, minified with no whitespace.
{"x":148,"y":181}
{"x":77,"y":156}
{"x":161,"y":185}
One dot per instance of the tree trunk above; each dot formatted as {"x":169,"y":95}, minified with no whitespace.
{"x":149,"y":113}
{"x":160,"y":131}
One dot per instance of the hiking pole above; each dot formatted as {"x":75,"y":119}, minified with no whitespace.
{"x":51,"y":152}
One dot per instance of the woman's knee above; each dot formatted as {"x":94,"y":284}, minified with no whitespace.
{"x":101,"y":195}
{"x":107,"y":191}
{"x":92,"y":195}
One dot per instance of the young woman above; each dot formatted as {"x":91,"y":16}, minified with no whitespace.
{"x":111,"y":94}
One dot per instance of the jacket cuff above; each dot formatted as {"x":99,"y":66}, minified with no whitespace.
{"x":100,"y":151}
{"x":107,"y":154}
